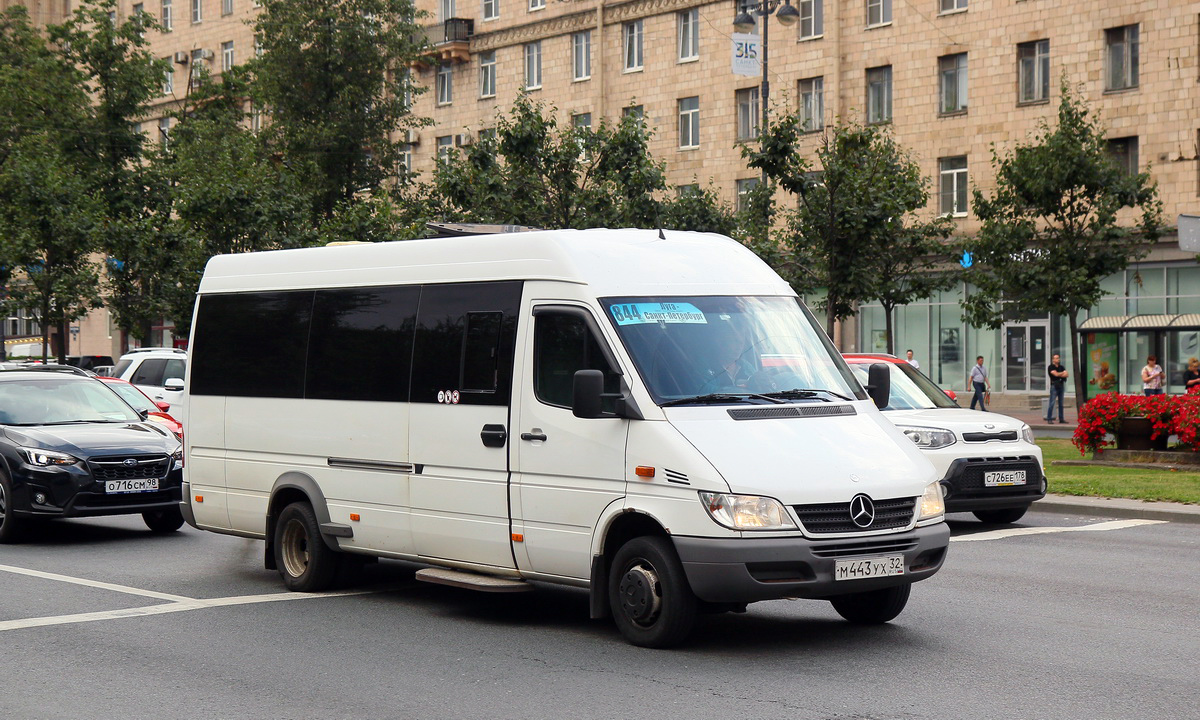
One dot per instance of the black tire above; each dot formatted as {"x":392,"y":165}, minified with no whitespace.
{"x":163,"y":521}
{"x":305,"y":562}
{"x":652,"y":603}
{"x":1007,"y":515}
{"x":10,"y":526}
{"x":873,"y":607}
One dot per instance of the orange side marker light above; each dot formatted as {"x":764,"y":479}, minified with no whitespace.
{"x":518,"y":537}
{"x":644,"y":471}
{"x":199,"y":498}
{"x":354,"y":517}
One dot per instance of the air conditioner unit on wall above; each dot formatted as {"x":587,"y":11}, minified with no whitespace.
{"x":181,"y":58}
{"x":463,"y":139}
{"x":206,"y":54}
{"x":412,"y":137}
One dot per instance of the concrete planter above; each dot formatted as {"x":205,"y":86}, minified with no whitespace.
{"x":1134,"y":434}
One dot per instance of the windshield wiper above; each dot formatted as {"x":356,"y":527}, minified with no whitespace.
{"x":713,"y":398}
{"x":805,"y":393}
{"x":83,"y":422}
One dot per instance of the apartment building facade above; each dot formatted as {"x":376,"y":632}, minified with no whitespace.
{"x":951,"y":78}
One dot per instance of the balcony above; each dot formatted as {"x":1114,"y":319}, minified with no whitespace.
{"x":449,"y":41}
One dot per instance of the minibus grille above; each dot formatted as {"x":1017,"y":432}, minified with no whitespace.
{"x":870,"y":547}
{"x":791,"y":411}
{"x":828,"y":518}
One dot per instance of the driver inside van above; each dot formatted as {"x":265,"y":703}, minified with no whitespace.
{"x":731,"y":363}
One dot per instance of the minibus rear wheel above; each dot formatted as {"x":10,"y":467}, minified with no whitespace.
{"x":873,"y":607}
{"x":651,"y":601}
{"x":305,"y":563}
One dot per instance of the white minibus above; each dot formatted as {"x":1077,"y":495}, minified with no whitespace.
{"x":653,"y":416}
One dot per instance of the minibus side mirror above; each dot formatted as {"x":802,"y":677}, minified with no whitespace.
{"x":879,"y":384}
{"x":588,"y":387}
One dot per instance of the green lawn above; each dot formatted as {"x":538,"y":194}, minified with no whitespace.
{"x":1115,"y":482}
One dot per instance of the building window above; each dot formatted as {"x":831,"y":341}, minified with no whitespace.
{"x":582,"y":121}
{"x":748,"y":113}
{"x":879,"y":12}
{"x":138,"y":9}
{"x":445,"y":85}
{"x":635,"y":110}
{"x":226,"y":56}
{"x":632,"y":35}
{"x":447,"y":9}
{"x":1122,"y":57}
{"x":689,"y":34}
{"x":581,"y":53}
{"x":952,"y":195}
{"x":487,"y":74}
{"x":1124,"y":152}
{"x":164,"y":132}
{"x":743,"y":193}
{"x":952,"y":77}
{"x":168,"y":86}
{"x":258,"y":46}
{"x":168,"y":17}
{"x":445,"y":144}
{"x":195,"y":73}
{"x":536,"y":5}
{"x":812,"y":18}
{"x":226,"y":7}
{"x":879,"y":94}
{"x":197,"y":11}
{"x":533,"y":65}
{"x":1033,"y":71}
{"x":491,"y":9}
{"x":404,"y":163}
{"x":812,"y":104}
{"x":952,"y":5}
{"x":689,"y":122}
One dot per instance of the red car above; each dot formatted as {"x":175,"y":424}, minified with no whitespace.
{"x":138,"y":400}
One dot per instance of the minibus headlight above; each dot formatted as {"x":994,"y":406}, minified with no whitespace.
{"x":927,"y":438}
{"x":46,"y":458}
{"x":1027,"y":434}
{"x":747,"y":512}
{"x":932,"y":504}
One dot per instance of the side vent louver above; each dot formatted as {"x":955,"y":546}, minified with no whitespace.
{"x":676,"y":477}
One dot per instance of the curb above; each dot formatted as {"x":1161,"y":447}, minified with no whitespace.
{"x":1119,"y":507}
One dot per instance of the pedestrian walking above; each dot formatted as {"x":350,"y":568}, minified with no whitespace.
{"x":1152,"y":377}
{"x":913,"y":362}
{"x":980,"y":382}
{"x":1058,"y":386}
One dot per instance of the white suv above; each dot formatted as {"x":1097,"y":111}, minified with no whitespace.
{"x":159,"y":372}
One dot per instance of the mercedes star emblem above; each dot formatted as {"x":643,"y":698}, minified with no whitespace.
{"x":862,"y":511}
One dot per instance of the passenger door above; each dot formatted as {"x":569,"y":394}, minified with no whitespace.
{"x":459,"y":431}
{"x":566,"y":469}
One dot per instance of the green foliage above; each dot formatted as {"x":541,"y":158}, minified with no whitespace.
{"x":531,"y":172}
{"x":1051,"y":230}
{"x":855,"y":230}
{"x":330,"y":78}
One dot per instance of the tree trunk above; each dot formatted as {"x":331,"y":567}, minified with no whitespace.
{"x":1077,"y":362}
{"x":888,"y":315}
{"x":64,"y":335}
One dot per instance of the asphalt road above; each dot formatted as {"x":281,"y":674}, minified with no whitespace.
{"x":1089,"y":617}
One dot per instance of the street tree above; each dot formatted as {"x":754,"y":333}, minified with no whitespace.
{"x":1064,"y":215}
{"x":858,"y":225}
{"x":332,"y":79}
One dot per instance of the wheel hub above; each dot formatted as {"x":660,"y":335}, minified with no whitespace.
{"x":640,"y":596}
{"x":295,"y":548}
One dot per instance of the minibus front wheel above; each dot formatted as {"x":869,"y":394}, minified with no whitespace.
{"x":305,"y":562}
{"x":652,"y":603}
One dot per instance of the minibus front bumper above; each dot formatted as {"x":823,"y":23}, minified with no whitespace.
{"x":743,"y":570}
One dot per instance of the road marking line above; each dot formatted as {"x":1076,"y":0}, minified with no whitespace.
{"x":1015,"y":532}
{"x":184,"y":605}
{"x":93,"y":584}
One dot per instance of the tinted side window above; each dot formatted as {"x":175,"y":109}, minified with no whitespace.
{"x":252,"y":344}
{"x":174,"y":369}
{"x":563,"y":344}
{"x":150,"y":372}
{"x":444,"y":347}
{"x":361,"y":343}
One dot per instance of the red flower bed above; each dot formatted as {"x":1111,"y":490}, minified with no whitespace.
{"x":1177,"y":415}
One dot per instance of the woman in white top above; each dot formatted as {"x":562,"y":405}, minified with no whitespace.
{"x":1152,"y":377}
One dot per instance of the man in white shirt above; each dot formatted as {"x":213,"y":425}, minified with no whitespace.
{"x":912,"y":362}
{"x":980,"y":382}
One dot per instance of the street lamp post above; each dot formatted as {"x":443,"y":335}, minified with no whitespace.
{"x":745,"y":22}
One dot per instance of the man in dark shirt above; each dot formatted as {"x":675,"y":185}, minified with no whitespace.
{"x":1058,"y":385}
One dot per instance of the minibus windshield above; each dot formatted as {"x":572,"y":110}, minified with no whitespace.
{"x":730,"y":349}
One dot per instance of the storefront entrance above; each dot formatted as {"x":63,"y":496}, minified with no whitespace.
{"x":1025,"y":356}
